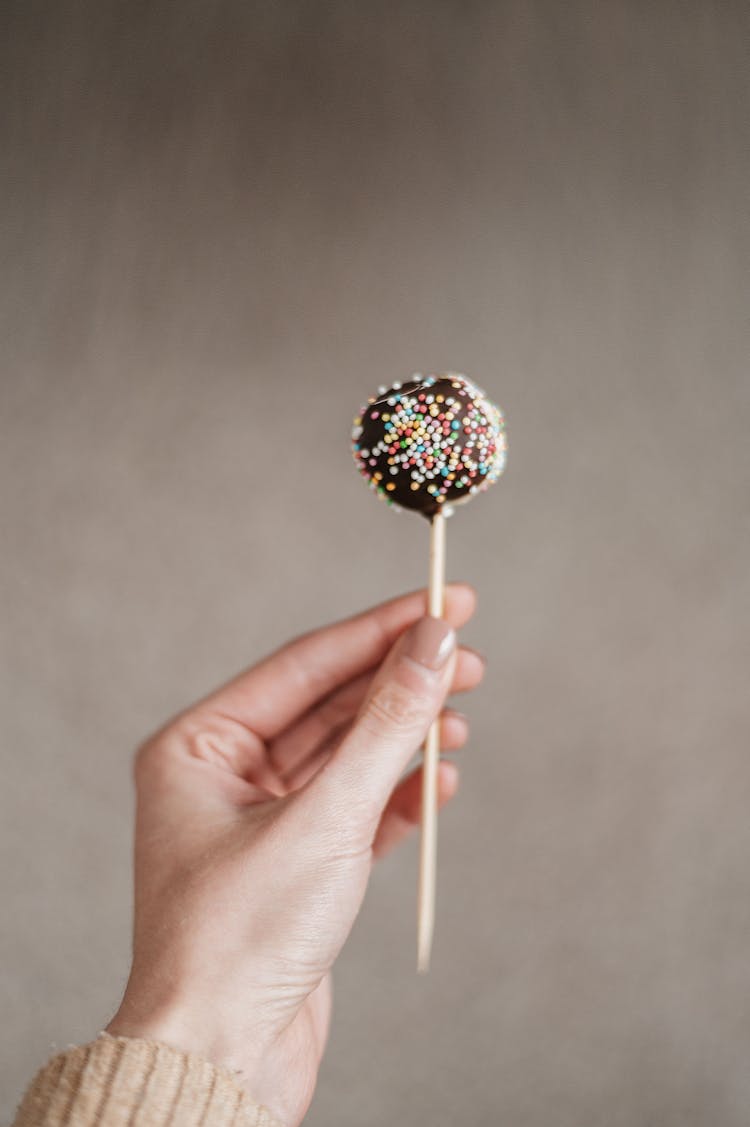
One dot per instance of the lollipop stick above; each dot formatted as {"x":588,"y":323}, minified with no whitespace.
{"x":431,"y":759}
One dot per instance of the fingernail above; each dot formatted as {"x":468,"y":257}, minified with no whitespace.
{"x":430,"y":642}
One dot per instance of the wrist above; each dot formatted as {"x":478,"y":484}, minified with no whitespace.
{"x":261,"y":1072}
{"x":171,"y":1025}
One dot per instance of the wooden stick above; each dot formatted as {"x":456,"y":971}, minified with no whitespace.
{"x":431,"y":760}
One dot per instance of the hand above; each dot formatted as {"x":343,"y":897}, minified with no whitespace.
{"x":259,"y":813}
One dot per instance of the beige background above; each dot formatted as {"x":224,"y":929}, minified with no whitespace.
{"x":222,"y":226}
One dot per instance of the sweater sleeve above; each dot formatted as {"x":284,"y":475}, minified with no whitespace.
{"x":127,"y":1082}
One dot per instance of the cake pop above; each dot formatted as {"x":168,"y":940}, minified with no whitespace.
{"x":428,"y":445}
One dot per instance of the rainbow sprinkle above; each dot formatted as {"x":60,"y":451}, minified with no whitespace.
{"x":430,"y":441}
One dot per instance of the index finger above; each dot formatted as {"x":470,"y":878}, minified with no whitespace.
{"x":272,"y":694}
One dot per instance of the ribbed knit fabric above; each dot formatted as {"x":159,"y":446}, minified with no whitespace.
{"x":127,"y":1082}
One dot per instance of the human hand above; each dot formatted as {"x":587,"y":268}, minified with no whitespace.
{"x":259,"y":813}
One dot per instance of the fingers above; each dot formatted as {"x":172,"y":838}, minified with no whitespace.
{"x":454,"y":732}
{"x":271,"y":695}
{"x":406,"y":695}
{"x":404,"y":810}
{"x":324,"y":725}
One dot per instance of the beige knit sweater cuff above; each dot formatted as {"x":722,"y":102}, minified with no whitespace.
{"x":121,"y":1081}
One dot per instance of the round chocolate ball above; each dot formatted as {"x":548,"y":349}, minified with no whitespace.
{"x":430,"y":443}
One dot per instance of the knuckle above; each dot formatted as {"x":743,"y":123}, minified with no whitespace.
{"x":143,"y":759}
{"x":393,"y":705}
{"x":150,"y":761}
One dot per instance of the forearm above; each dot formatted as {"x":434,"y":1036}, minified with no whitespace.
{"x":121,"y":1081}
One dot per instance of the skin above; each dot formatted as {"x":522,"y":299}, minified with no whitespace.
{"x":260,"y":812}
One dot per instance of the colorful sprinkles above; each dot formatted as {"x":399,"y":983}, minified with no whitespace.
{"x":431,"y":442}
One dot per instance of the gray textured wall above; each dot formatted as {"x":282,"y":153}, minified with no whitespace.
{"x":222,"y":225}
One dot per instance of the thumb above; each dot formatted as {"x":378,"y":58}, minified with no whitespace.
{"x":406,"y":695}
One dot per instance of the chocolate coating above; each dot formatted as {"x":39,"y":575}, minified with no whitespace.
{"x":430,"y":443}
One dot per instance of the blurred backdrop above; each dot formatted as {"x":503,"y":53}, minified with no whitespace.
{"x":222,"y":225}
